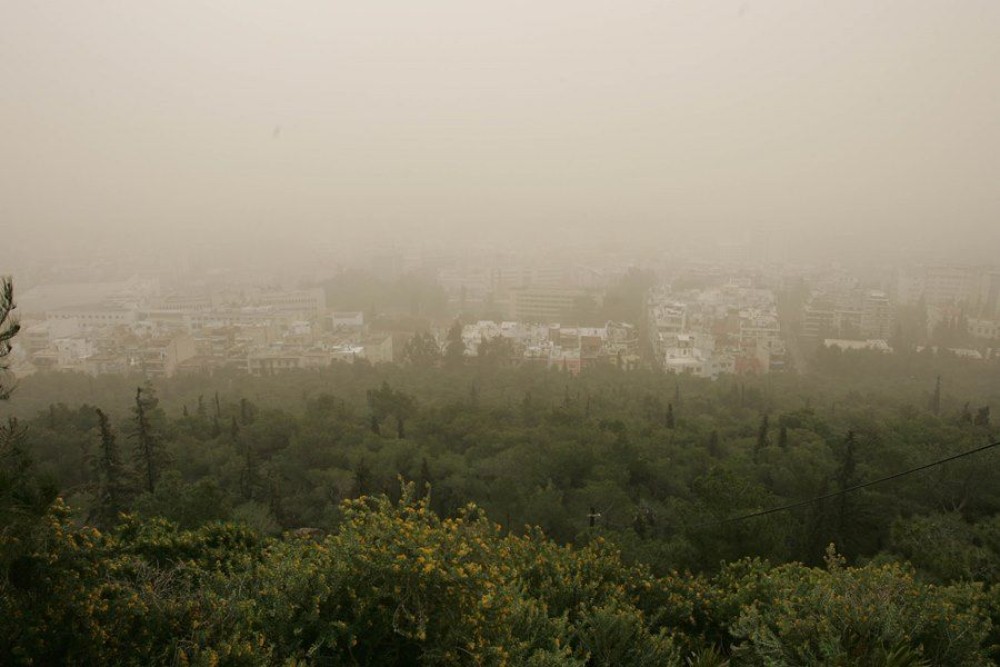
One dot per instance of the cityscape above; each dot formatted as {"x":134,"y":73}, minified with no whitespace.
{"x":517,"y":334}
{"x":699,"y":319}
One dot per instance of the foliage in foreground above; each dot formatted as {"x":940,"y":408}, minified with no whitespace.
{"x":397,"y":585}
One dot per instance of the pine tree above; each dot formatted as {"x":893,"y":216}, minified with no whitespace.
{"x":25,"y":498}
{"x":845,"y":477}
{"x":783,"y":437}
{"x":113,"y":484}
{"x":249,"y":476}
{"x":670,"y":416}
{"x":9,"y":327}
{"x":149,"y":455}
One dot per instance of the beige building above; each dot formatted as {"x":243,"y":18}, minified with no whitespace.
{"x":545,"y":304}
{"x":160,"y":357}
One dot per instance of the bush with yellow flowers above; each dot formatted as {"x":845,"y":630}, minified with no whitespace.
{"x":397,"y":585}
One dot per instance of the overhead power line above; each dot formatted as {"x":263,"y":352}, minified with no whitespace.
{"x":849,"y":489}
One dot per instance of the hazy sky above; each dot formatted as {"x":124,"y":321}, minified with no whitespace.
{"x":308,"y":119}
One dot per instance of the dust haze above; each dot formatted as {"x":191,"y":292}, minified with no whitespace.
{"x":315,"y":130}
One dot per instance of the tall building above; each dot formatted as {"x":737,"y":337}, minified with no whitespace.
{"x":876,"y":315}
{"x":939,"y":285}
{"x":546,"y":304}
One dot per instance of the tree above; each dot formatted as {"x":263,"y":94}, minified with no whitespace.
{"x":454,"y":353}
{"x":112,"y":478}
{"x":362,"y":479}
{"x":250,"y":480}
{"x":935,"y":402}
{"x":763,"y":439}
{"x":248,"y":412}
{"x":9,"y":327}
{"x":150,"y":456}
{"x":670,"y":416}
{"x":422,"y":350}
{"x":966,"y":415}
{"x":380,"y":405}
{"x":845,"y":477}
{"x":25,"y":496}
{"x":426,"y":480}
{"x":403,"y":407}
{"x":386,"y":401}
{"x":495,"y":352}
{"x":714,"y":450}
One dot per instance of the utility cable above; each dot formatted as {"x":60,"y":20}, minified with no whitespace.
{"x":849,"y":489}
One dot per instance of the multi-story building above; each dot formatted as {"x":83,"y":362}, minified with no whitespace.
{"x":95,"y":314}
{"x":945,"y":285}
{"x":852,"y":314}
{"x":160,"y":356}
{"x":307,"y":302}
{"x":546,"y":304}
{"x":876,"y":315}
{"x":669,"y":318}
{"x":988,"y":329}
